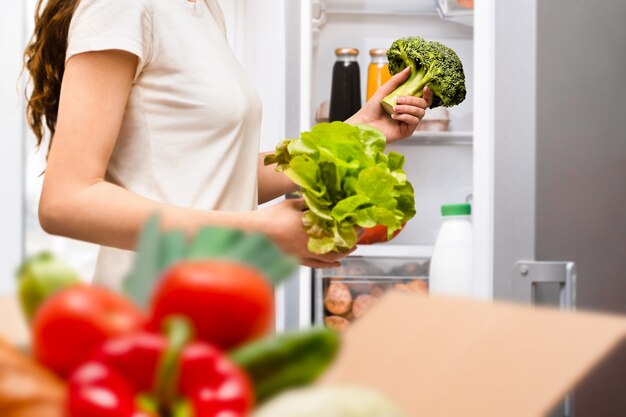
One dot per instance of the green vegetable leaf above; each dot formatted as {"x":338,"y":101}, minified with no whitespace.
{"x":377,"y":184}
{"x":138,"y":284}
{"x":349,"y":206}
{"x":305,"y":172}
{"x":347,"y":181}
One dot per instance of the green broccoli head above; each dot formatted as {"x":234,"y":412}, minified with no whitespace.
{"x":432,"y":64}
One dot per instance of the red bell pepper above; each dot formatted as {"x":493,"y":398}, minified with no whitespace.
{"x":146,"y":374}
{"x":377,"y":234}
{"x":229,"y":303}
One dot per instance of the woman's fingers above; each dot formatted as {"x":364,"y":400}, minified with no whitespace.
{"x":412,"y":110}
{"x":314,"y":263}
{"x":409,"y":119}
{"x":419,"y":102}
{"x":297,"y":203}
{"x":393,"y":83}
{"x":331,"y":257}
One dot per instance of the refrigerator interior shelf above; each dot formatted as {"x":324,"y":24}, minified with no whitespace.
{"x":449,"y":10}
{"x":447,"y":138}
{"x":393,"y":251}
{"x":380,"y":13}
{"x":377,"y":7}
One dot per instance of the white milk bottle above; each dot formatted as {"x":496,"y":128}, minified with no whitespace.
{"x":451,"y":264}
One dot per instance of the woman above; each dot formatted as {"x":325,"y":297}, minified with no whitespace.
{"x":149,"y":110}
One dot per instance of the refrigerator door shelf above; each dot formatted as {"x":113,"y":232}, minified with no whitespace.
{"x":444,"y":138}
{"x":389,"y":250}
{"x":379,"y":7}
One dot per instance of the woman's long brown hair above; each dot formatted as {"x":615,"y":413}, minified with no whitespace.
{"x":44,"y":59}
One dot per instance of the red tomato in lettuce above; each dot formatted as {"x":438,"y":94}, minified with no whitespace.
{"x":376,"y":234}
{"x":227,"y":302}
{"x":70,"y":325}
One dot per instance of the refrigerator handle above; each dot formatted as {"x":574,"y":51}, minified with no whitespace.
{"x":528,"y":274}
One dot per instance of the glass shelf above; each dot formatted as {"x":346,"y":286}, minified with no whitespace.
{"x":389,"y":250}
{"x":450,"y":10}
{"x":381,"y":13}
{"x":447,"y":10}
{"x":380,"y":7}
{"x":447,"y":138}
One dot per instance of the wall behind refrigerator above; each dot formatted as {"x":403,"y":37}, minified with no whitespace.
{"x":11,"y":128}
{"x":257,"y":34}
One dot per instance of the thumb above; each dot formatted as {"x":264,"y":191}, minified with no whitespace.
{"x":297,"y":203}
{"x":393,"y":83}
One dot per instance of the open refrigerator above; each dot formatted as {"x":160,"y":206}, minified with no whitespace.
{"x":523,"y":148}
{"x":439,"y":163}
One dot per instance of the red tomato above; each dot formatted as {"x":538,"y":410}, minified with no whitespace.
{"x":74,"y":322}
{"x":227,"y":302}
{"x":376,"y":234}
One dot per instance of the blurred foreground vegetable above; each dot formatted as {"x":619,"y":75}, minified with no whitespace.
{"x":335,"y":401}
{"x":40,"y":277}
{"x":287,"y":361}
{"x":228,"y":303}
{"x":148,"y":374}
{"x":158,"y":250}
{"x":347,"y":180}
{"x":74,"y":322}
{"x":26,"y":389}
{"x":119,"y":363}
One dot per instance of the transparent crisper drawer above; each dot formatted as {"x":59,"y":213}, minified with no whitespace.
{"x":345,"y":294}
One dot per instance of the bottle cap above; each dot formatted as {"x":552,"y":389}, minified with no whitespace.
{"x":456,"y":210}
{"x":378,"y":52}
{"x":347,"y":51}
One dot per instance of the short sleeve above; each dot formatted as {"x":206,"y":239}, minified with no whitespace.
{"x":218,"y":15}
{"x":100,"y":25}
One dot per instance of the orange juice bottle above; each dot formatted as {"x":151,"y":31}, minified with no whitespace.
{"x":378,"y":72}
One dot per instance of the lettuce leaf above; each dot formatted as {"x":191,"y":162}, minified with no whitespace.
{"x":347,"y":180}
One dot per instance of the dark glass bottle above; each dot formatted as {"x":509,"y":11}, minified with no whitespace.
{"x":345,"y":96}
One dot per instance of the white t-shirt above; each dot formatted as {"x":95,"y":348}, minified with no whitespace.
{"x":190,"y":133}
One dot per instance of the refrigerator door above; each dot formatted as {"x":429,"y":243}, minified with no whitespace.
{"x":555,"y":187}
{"x":581,"y":166}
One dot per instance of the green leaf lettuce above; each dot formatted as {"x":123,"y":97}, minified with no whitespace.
{"x":346,"y":180}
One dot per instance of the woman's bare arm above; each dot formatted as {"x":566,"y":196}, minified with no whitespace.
{"x":79,"y":203}
{"x":272,"y":184}
{"x":76,"y":200}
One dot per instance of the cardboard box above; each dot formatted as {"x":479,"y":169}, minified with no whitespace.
{"x":446,"y":357}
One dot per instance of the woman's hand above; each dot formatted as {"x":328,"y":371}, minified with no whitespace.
{"x":282,"y":223}
{"x":409,"y":111}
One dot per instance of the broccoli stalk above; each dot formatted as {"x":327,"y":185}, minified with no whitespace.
{"x":413,"y":86}
{"x":433,"y":65}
